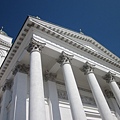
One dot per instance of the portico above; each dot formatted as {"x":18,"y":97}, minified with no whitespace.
{"x":70,"y":94}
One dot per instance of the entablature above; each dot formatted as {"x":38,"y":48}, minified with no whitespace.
{"x":54,"y":49}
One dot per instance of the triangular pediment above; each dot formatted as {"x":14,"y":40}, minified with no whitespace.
{"x":86,"y":41}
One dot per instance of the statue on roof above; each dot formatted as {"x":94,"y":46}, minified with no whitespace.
{"x":81,"y":32}
{"x":2,"y":32}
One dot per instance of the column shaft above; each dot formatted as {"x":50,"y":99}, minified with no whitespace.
{"x":99,"y":97}
{"x":111,"y":98}
{"x":73,"y":93}
{"x":116,"y":108}
{"x":116,"y":91}
{"x":18,"y":103}
{"x":53,"y":101}
{"x":37,"y":104}
{"x":5,"y":101}
{"x":110,"y":79}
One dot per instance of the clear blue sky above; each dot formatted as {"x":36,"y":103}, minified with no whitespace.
{"x":99,"y":19}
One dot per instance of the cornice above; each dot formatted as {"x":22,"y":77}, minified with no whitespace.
{"x":82,"y":47}
{"x":76,"y":35}
{"x":29,"y":23}
{"x":5,"y":43}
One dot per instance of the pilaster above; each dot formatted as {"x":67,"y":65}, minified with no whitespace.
{"x":109,"y":94}
{"x":53,"y":96}
{"x":21,"y":68}
{"x":50,"y":76}
{"x":7,"y":85}
{"x":6,"y":98}
{"x":19,"y":95}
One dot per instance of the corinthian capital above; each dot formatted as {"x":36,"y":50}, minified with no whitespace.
{"x":35,"y":46}
{"x":109,"y":77}
{"x":64,"y":58}
{"x":7,"y":85}
{"x":50,"y":76}
{"x":87,"y":68}
{"x":109,"y":94}
{"x":21,"y":68}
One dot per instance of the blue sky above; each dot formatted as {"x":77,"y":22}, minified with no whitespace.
{"x":99,"y":19}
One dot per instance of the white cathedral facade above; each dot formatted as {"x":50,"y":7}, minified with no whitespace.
{"x":52,"y":73}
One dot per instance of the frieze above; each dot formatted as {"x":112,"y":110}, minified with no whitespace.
{"x":88,"y":100}
{"x":79,"y":88}
{"x":83,"y":89}
{"x":85,"y":99}
{"x":62,"y":94}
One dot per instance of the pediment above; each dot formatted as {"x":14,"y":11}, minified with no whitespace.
{"x":86,"y":41}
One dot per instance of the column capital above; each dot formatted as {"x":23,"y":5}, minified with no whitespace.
{"x":35,"y":45}
{"x":109,"y":93}
{"x":109,"y":77}
{"x":87,"y":68}
{"x":64,"y":58}
{"x":20,"y":68}
{"x":7,"y":85}
{"x":49,"y":76}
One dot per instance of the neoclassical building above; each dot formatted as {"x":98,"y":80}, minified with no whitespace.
{"x":52,"y":73}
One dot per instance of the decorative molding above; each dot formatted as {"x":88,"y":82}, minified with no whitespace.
{"x":109,"y":93}
{"x":83,"y":89}
{"x":15,"y":48}
{"x":87,"y":68}
{"x":49,"y":76}
{"x":5,"y":43}
{"x":21,"y":68}
{"x":60,"y":34}
{"x":62,"y":94}
{"x":79,"y":88}
{"x":35,"y":45}
{"x":7,"y":85}
{"x":64,"y":58}
{"x":86,"y":100}
{"x":109,"y":77}
{"x":64,"y":34}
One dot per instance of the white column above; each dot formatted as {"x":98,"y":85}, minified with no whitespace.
{"x":110,"y":79}
{"x":5,"y":100}
{"x":36,"y":100}
{"x":53,"y":97}
{"x":115,"y":105}
{"x":97,"y":92}
{"x":19,"y":94}
{"x":76,"y":105}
